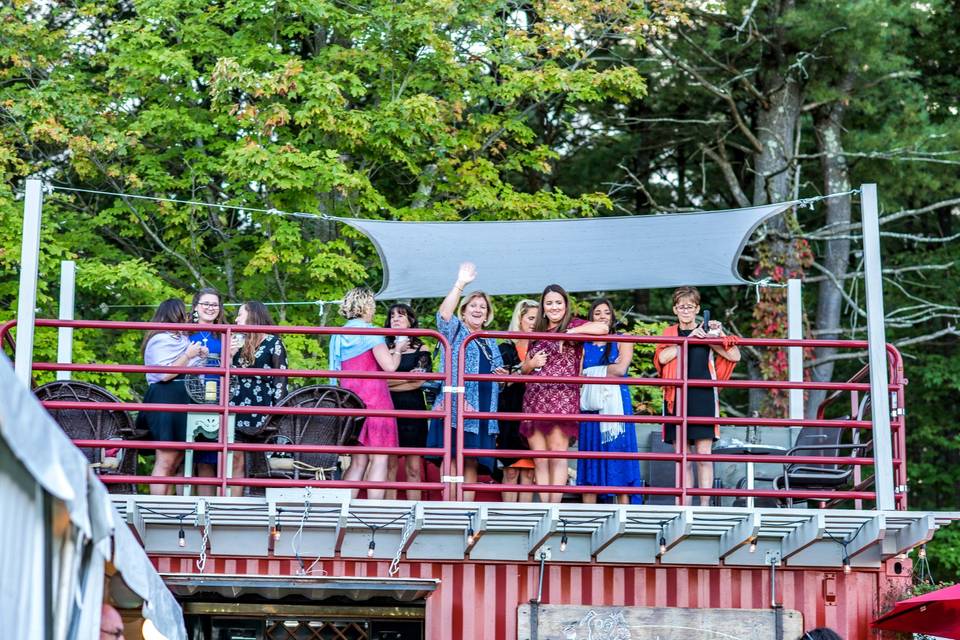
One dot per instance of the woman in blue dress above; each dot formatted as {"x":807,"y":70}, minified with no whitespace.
{"x":610,"y":437}
{"x":208,"y":309}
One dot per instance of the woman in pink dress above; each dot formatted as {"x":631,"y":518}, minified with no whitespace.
{"x":554,"y":358}
{"x":366,"y":353}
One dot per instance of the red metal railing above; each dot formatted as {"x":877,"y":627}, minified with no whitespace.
{"x":682,"y":457}
{"x":226,"y":370}
{"x":452,"y":466}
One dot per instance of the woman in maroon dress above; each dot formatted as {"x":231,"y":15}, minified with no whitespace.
{"x":554,"y":358}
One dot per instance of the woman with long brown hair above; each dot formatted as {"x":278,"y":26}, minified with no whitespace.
{"x":547,"y":358}
{"x":167,"y":349}
{"x":254,"y":350}
{"x":408,"y":394}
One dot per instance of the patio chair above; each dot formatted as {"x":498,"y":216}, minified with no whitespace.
{"x":95,"y":424}
{"x":823,"y":441}
{"x":308,"y":429}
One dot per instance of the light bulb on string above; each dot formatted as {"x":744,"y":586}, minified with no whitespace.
{"x":275,"y":532}
{"x":563,"y":542}
{"x":371,"y":548}
{"x":471,"y":536}
{"x":181,"y":538}
{"x":846,"y":565}
{"x":753,"y":544}
{"x":922,"y":554}
{"x":663,"y":545}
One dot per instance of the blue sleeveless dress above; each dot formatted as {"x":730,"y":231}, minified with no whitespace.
{"x":603,"y":472}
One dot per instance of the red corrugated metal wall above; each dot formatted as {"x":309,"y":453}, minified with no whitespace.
{"x":479,"y":600}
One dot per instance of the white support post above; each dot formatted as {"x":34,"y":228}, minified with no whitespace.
{"x":68,"y":274}
{"x":29,"y":266}
{"x":795,"y":354}
{"x":877,"y":348}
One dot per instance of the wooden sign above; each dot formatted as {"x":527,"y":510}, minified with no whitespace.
{"x":573,"y":622}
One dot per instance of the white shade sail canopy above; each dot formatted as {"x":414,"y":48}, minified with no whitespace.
{"x":588,"y":254}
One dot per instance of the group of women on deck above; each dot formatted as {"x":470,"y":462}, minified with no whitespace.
{"x":203,"y":347}
{"x":546,"y":405}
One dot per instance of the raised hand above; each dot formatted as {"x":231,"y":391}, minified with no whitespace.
{"x":467,"y":273}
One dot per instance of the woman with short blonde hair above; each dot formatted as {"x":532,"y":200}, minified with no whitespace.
{"x":366,"y":353}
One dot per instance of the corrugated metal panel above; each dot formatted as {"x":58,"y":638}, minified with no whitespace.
{"x":479,"y":600}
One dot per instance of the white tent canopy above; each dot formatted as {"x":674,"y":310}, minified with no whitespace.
{"x":38,"y":457}
{"x":586,"y":254}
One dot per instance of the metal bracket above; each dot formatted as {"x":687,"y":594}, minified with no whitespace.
{"x":771,"y":557}
{"x":452,"y":479}
{"x":448,"y":389}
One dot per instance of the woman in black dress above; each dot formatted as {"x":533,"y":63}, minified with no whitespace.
{"x":168,"y":349}
{"x":254,"y":351}
{"x":408,"y":395}
{"x":705,"y":362}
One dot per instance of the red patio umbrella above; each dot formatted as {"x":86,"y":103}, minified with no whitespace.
{"x":936,"y":613}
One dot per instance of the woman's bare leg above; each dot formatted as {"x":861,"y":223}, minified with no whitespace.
{"x":205,"y":470}
{"x":510,"y":476}
{"x":164,"y":467}
{"x":377,"y":472}
{"x":704,"y":469}
{"x":392,"y":462}
{"x":526,"y":478}
{"x":414,"y":470}
{"x":541,"y":466}
{"x":358,"y":467}
{"x":469,"y":475}
{"x":559,"y":469}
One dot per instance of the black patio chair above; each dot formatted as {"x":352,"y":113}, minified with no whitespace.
{"x":307,"y":429}
{"x":95,"y":424}
{"x":827,"y":442}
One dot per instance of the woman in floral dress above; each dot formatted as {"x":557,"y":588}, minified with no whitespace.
{"x":547,"y":358}
{"x":254,"y":351}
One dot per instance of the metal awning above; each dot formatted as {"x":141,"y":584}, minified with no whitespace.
{"x":232,"y":586}
{"x":438,"y":531}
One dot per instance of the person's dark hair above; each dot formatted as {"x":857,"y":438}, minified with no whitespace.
{"x":196,"y":300}
{"x":821,"y":633}
{"x":542,"y":322}
{"x":407,"y":310}
{"x":257,"y":313}
{"x":170,"y":310}
{"x":612,"y":325}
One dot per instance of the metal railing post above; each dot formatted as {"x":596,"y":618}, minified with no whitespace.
{"x":876,"y":345}
{"x":29,"y":266}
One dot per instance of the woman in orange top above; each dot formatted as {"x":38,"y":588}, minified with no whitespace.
{"x":704,"y":362}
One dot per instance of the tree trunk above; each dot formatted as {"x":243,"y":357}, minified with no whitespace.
{"x":828,"y":123}
{"x":773,"y":164}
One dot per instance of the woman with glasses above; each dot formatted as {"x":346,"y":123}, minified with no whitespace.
{"x":456,"y":319}
{"x":704,"y":362}
{"x":167,"y":349}
{"x":408,"y":394}
{"x":207,"y":309}
{"x":546,"y":358}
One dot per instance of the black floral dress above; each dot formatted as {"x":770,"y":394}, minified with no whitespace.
{"x":259,"y":390}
